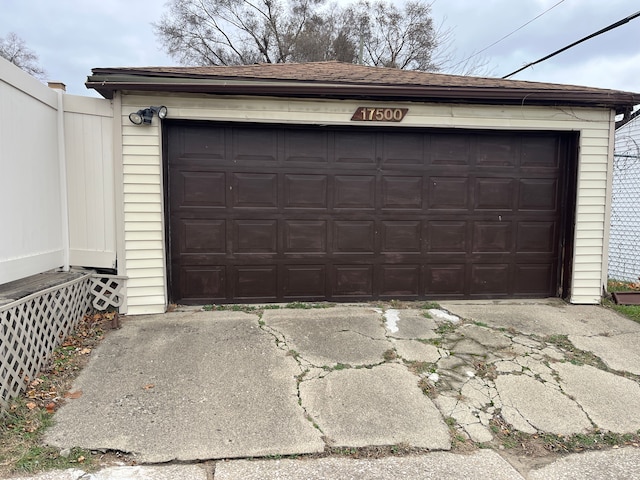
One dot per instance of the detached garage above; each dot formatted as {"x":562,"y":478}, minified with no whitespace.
{"x":340,"y":182}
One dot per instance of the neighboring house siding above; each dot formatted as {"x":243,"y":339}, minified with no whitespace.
{"x":143,"y":190}
{"x":624,"y":254}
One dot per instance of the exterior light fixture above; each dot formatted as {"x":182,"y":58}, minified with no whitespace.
{"x":145,"y":115}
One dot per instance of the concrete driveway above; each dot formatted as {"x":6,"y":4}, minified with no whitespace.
{"x":196,"y":385}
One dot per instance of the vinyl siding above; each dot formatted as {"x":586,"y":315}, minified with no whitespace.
{"x":143,"y":198}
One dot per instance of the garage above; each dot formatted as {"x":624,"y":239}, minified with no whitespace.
{"x":329,"y":181}
{"x":264,"y":213}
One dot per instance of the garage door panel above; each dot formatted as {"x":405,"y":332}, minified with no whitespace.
{"x":445,"y":279}
{"x":353,"y":236}
{"x":304,"y":281}
{"x":403,"y":236}
{"x":310,"y":213}
{"x":354,"y":191}
{"x":450,"y":149}
{"x":540,"y":152}
{"x":202,"y":235}
{"x":352,"y":281}
{"x":492,"y":237}
{"x":203,"y":282}
{"x":447,"y":236}
{"x":490,"y":279}
{"x":403,"y":149}
{"x":305,"y":191}
{"x":202,"y":142}
{"x":448,"y":193}
{"x":255,"y":236}
{"x":255,"y":281}
{"x":255,"y":190}
{"x":302,"y":146}
{"x":533,"y":279}
{"x":536,"y":237}
{"x":355,"y":147}
{"x":245,"y":141}
{"x":496,"y":150}
{"x":305,"y":236}
{"x":198,"y":188}
{"x":400,"y":281}
{"x":494,"y":194}
{"x":402,"y":192}
{"x":538,"y":194}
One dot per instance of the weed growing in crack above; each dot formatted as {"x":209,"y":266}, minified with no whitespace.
{"x":481,"y":324}
{"x":485,"y":370}
{"x":575,"y":355}
{"x":342,"y":366}
{"x":428,"y":388}
{"x":294,"y":354}
{"x":436,"y":342}
{"x":308,"y":306}
{"x":446,"y":328}
{"x":390,"y":355}
{"x":430,"y":305}
{"x":421,"y":367}
{"x":426,"y":314}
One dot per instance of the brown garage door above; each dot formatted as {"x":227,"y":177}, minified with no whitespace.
{"x":280,"y":213}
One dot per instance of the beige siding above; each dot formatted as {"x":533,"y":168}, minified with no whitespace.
{"x":143,"y":210}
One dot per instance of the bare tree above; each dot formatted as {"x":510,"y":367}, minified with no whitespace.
{"x":396,"y":37}
{"x":231,"y":32}
{"x":14,"y":49}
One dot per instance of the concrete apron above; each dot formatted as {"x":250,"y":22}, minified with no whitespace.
{"x":216,"y":385}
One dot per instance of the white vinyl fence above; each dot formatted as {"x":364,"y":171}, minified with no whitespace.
{"x":56,"y":210}
{"x":56,"y":178}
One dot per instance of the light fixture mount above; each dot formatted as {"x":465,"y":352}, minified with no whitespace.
{"x":145,"y":115}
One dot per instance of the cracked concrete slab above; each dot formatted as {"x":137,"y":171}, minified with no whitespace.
{"x":611,"y":401}
{"x":530,"y":406}
{"x":619,"y":352}
{"x":374,"y":406}
{"x":414,"y":351}
{"x":604,"y":465}
{"x":412,"y":324}
{"x":327,"y":337}
{"x":201,"y":385}
{"x":480,"y":465}
{"x":549,"y":318}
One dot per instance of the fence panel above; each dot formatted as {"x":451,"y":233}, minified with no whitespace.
{"x":624,"y":242}
{"x":30,"y":193}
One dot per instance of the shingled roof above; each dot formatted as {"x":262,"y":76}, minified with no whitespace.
{"x":346,"y":80}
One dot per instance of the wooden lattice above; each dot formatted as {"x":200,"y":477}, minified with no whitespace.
{"x":32,"y":327}
{"x":106,"y":291}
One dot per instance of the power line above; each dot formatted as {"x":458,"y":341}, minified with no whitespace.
{"x":599,"y":32}
{"x":508,"y":35}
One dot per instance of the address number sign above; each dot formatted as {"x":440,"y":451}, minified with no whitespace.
{"x":379,"y":114}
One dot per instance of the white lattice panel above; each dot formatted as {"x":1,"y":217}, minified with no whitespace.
{"x":32,"y":327}
{"x":106,"y":290}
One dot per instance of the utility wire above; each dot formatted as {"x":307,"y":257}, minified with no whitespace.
{"x":599,"y":32}
{"x":507,"y":35}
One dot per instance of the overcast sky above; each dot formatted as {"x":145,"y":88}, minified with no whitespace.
{"x":73,"y":36}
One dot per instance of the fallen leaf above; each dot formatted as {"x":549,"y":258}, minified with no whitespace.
{"x":31,"y":405}
{"x":76,"y":394}
{"x":80,"y":459}
{"x":84,"y":351}
{"x":148,"y":386}
{"x":51,"y":407}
